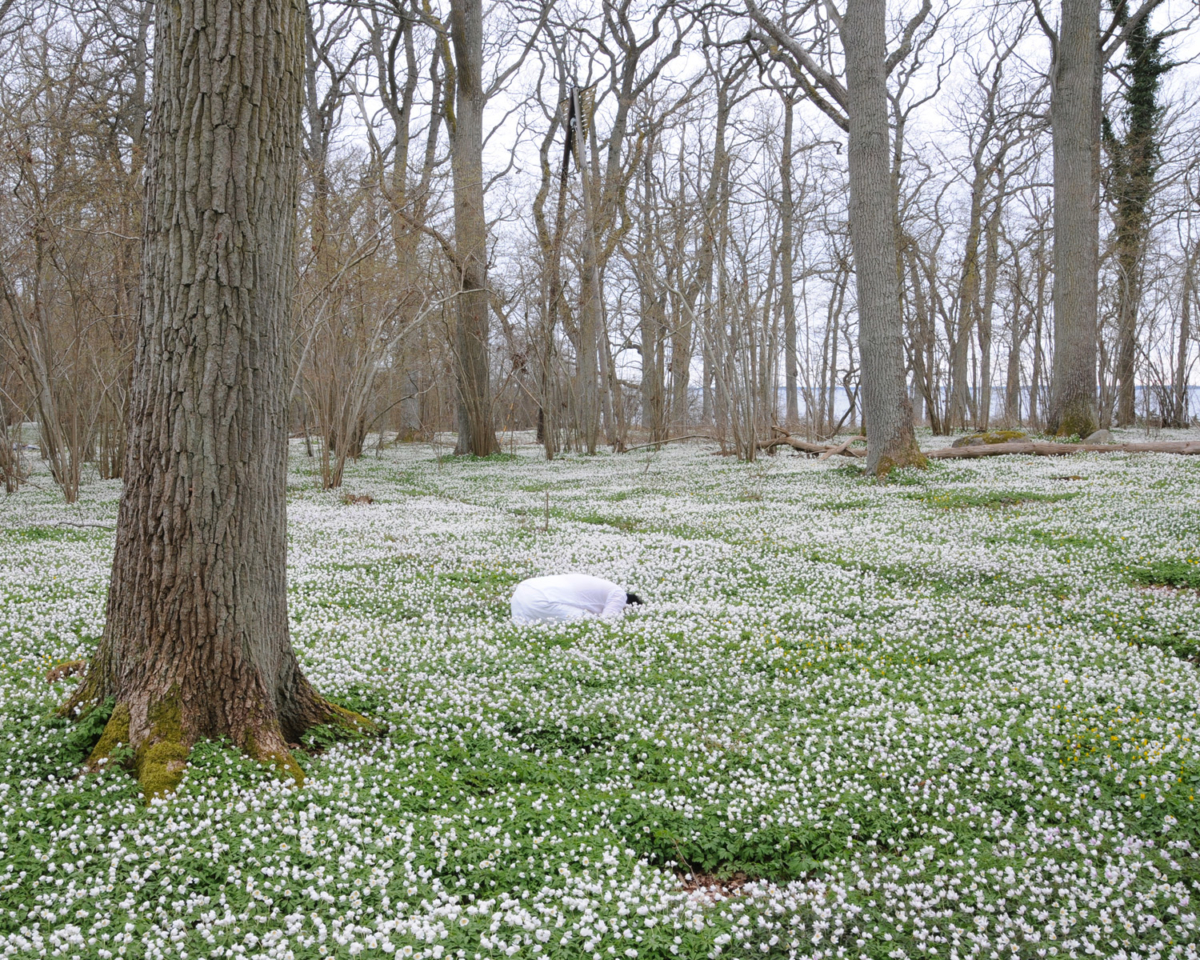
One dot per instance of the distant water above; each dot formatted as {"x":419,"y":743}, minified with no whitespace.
{"x":842,"y":401}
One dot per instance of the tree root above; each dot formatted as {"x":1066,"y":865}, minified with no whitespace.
{"x":116,"y":732}
{"x":350,"y":721}
{"x":161,"y":757}
{"x":158,"y":762}
{"x":911,"y":457}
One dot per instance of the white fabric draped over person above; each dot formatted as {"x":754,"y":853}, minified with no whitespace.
{"x":566,"y":596}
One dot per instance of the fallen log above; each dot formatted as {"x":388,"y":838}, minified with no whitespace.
{"x":842,"y":448}
{"x":824,"y":451}
{"x":820,"y":449}
{"x":1185,"y":447}
{"x":659,"y":443}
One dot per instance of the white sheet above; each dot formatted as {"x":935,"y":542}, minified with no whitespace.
{"x":566,"y":596}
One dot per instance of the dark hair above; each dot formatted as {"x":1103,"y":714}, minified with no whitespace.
{"x":632,"y":598}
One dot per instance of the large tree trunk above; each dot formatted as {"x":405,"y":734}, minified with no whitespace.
{"x":476,"y":432}
{"x":1135,"y":159}
{"x":196,"y":640}
{"x":886,"y":406}
{"x":653,"y":323}
{"x":1075,"y":118}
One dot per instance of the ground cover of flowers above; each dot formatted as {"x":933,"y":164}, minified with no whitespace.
{"x":953,"y":715}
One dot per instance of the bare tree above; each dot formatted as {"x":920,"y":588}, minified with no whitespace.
{"x":690,"y":217}
{"x":787,"y":265}
{"x":555,"y":170}
{"x":1188,"y":302}
{"x":1075,"y":119}
{"x":467,"y":93}
{"x":476,"y":430}
{"x":860,"y":107}
{"x":72,"y":112}
{"x":636,"y":57}
{"x":409,"y":73}
{"x":994,"y":129}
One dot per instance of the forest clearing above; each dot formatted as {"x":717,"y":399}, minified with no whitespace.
{"x":953,"y":714}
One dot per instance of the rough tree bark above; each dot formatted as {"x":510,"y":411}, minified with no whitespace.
{"x":886,"y":407}
{"x":1075,"y":120}
{"x":476,"y":431}
{"x":196,"y":639}
{"x":653,"y":299}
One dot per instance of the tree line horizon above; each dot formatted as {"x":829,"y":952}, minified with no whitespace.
{"x":671,"y":240}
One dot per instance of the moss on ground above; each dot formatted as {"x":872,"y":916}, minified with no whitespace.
{"x":989,"y":437}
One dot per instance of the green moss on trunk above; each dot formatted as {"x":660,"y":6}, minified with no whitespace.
{"x":349,"y":720}
{"x":160,"y":767}
{"x":115,"y":731}
{"x":162,"y":757}
{"x":913,"y":457}
{"x":1078,"y":419}
{"x":282,"y":760}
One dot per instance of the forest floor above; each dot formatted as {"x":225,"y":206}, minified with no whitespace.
{"x":950,"y":715}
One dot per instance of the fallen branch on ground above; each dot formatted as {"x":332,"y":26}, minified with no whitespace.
{"x":659,"y":443}
{"x":820,"y":449}
{"x":1184,"y":447}
{"x":843,"y":448}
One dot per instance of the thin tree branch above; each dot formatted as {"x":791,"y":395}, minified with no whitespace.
{"x":910,"y":30}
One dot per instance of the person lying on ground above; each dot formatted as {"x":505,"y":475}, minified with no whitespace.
{"x":568,"y":596}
